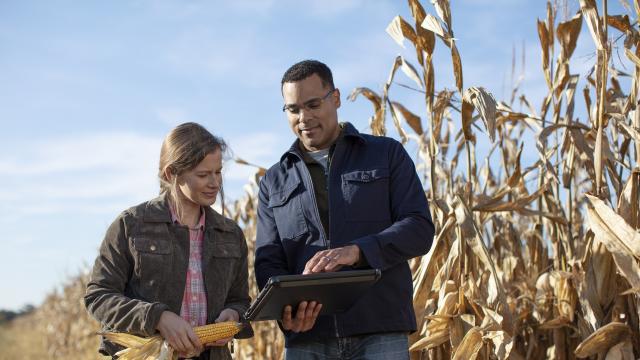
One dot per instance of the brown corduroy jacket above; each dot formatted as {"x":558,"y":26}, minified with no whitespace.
{"x":142,"y":265}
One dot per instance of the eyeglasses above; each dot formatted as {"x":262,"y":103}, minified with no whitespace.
{"x":310,"y":105}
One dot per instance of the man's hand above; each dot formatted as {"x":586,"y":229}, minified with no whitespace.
{"x":332,"y":259}
{"x":225,"y":315}
{"x":179,"y":334}
{"x":306,"y":315}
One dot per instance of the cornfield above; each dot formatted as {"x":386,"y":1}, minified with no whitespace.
{"x":530,"y":260}
{"x":537,"y":260}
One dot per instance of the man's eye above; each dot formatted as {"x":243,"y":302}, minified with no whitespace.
{"x":293,"y":109}
{"x":314,"y":104}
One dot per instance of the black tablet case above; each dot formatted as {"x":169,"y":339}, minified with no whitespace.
{"x":336,"y":291}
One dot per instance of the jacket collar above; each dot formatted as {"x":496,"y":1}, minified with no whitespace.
{"x":157,"y":210}
{"x":348,"y":132}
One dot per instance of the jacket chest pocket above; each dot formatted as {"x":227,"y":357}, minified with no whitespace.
{"x":222,"y":268}
{"x":366,"y":195}
{"x":287,"y":211}
{"x":152,"y":258}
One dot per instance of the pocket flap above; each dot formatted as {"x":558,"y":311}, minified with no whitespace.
{"x":366,"y":175}
{"x":151,"y":245}
{"x":226,"y":250}
{"x":281,"y":197}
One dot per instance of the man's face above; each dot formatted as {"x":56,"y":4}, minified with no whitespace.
{"x":312,"y":110}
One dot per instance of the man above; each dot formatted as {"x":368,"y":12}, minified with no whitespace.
{"x":340,"y":199}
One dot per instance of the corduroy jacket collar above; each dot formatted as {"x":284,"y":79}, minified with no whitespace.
{"x":157,"y":210}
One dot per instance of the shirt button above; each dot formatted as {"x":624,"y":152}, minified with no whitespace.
{"x":193,"y":323}
{"x":194,"y":298}
{"x":153,"y":248}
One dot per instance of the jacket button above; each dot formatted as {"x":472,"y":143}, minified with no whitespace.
{"x":153,"y":248}
{"x":365,"y":177}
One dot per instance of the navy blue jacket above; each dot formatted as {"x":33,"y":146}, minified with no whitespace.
{"x":376,"y":201}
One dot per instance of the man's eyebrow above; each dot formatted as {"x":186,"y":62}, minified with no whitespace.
{"x":312,"y":99}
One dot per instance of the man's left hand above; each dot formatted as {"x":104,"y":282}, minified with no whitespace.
{"x":225,"y":315}
{"x":332,"y":259}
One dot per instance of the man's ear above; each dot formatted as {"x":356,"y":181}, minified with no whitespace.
{"x":336,"y":95}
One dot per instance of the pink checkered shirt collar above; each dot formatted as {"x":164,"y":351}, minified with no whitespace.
{"x":174,"y":217}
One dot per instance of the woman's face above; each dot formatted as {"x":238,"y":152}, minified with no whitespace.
{"x":201,"y":184}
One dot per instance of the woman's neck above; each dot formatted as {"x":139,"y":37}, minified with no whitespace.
{"x":190,"y":214}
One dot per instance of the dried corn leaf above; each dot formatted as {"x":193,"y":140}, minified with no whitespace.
{"x":502,"y":343}
{"x":604,"y":224}
{"x":432,"y":24}
{"x":411,"y":72}
{"x":480,"y":99}
{"x":443,"y":10}
{"x":543,"y":35}
{"x":629,"y":199}
{"x":568,"y":33}
{"x":633,"y":57}
{"x":437,"y":332}
{"x":399,"y":30}
{"x":590,"y":13}
{"x":457,"y":66}
{"x":472,"y":237}
{"x":377,"y":121}
{"x":615,"y":226}
{"x":412,"y":119}
{"x":426,"y":39}
{"x":603,"y":339}
{"x":470,"y":345}
{"x":620,"y":22}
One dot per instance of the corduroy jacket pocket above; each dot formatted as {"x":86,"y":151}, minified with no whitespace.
{"x":152,"y":257}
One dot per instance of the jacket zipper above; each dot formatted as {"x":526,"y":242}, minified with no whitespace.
{"x":327,"y":241}
{"x":329,"y":161}
{"x":323,"y":235}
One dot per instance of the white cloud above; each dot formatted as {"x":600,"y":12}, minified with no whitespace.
{"x":66,"y":175}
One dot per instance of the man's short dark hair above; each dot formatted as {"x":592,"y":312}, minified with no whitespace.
{"x":306,"y":68}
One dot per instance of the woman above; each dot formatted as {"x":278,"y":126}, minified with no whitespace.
{"x":173,"y":263}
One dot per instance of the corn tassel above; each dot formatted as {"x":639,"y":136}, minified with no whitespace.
{"x":155,"y":348}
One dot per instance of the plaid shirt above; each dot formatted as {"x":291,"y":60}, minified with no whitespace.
{"x":194,"y":301}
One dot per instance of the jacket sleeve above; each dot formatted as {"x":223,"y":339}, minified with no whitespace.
{"x":238,"y":297}
{"x":105,"y":299}
{"x":270,"y":258}
{"x":411,"y":232}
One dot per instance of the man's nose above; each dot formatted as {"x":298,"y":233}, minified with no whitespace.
{"x":305,"y":114}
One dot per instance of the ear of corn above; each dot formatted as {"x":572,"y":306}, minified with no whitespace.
{"x":151,"y":348}
{"x":213,"y":332}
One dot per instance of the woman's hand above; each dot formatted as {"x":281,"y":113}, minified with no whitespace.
{"x":179,"y":334}
{"x":225,"y":315}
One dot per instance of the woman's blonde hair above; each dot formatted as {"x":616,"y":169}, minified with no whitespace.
{"x":182,"y":150}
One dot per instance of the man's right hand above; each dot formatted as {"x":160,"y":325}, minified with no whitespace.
{"x":305,"y":318}
{"x":179,"y":334}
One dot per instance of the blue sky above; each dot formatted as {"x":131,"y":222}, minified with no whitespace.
{"x":90,"y":88}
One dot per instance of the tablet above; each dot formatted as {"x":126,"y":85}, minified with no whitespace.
{"x":336,"y":291}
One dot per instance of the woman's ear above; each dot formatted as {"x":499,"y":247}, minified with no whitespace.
{"x":168,"y":174}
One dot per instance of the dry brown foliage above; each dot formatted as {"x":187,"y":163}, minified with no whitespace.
{"x":536,"y":261}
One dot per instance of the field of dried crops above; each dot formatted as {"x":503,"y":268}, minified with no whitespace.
{"x":531,"y":260}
